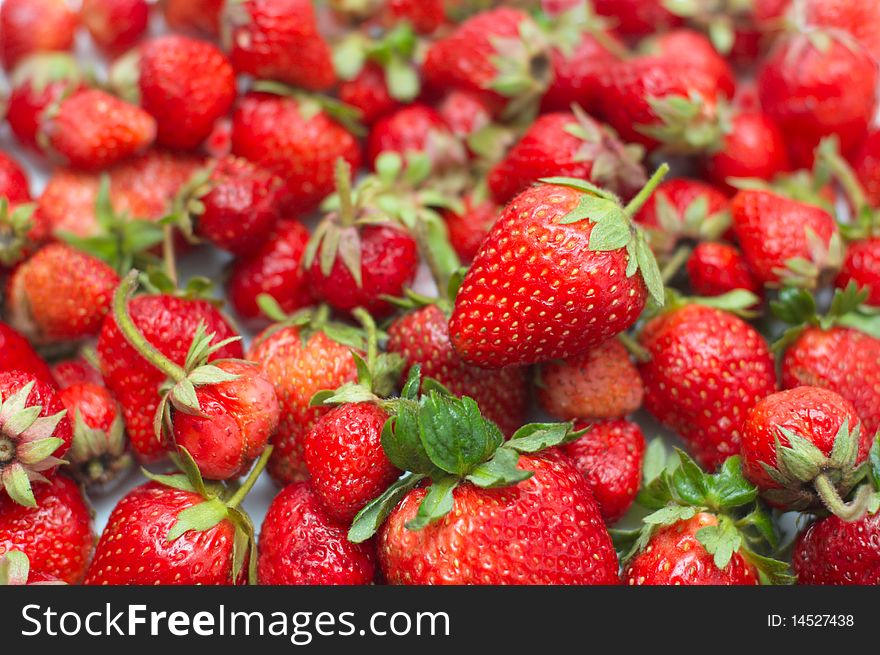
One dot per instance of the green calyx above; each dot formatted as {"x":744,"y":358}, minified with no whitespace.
{"x":15,"y":227}
{"x":694,"y":222}
{"x":614,"y":228}
{"x":719,"y":20}
{"x":685,"y":125}
{"x":523,"y":68}
{"x":27,"y":442}
{"x":677,"y":489}
{"x":15,"y":568}
{"x":393,"y":52}
{"x":811,"y":480}
{"x":824,"y":260}
{"x":866,"y":219}
{"x":739,"y":302}
{"x":439,"y":438}
{"x":309,"y":322}
{"x":187,"y":204}
{"x":310,"y":105}
{"x":221,"y":503}
{"x":41,"y":69}
{"x":98,"y":457}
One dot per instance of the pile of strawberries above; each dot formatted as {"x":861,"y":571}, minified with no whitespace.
{"x":629,"y":208}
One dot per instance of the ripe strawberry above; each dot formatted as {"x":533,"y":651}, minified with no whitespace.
{"x":92,"y":130}
{"x":368,"y":93}
{"x":28,"y":26}
{"x":34,"y":436}
{"x":55,"y":533}
{"x":555,"y":276}
{"x":115,"y":25}
{"x":857,"y":17}
{"x":296,"y":140}
{"x":17,"y":354}
{"x":813,"y":91}
{"x":99,"y":452}
{"x":422,"y":338}
{"x":275,"y":269}
{"x":60,"y":294}
{"x":702,"y":55}
{"x":76,"y":370}
{"x":465,"y":113}
{"x":803,"y":448}
{"x":836,"y":552}
{"x":752,"y":146}
{"x":426,"y":16}
{"x":718,"y":268}
{"x":610,"y":456}
{"x":468,"y":229}
{"x":785,"y":241}
{"x":862,"y":267}
{"x":185,"y":84}
{"x":301,"y":545}
{"x":14,"y":185}
{"x":416,"y":129}
{"x":638,"y":17}
{"x":569,"y":144}
{"x":600,"y":383}
{"x":278,"y":40}
{"x":707,"y":369}
{"x":15,"y":570}
{"x":199,"y":16}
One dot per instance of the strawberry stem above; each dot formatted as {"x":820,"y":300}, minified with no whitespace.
{"x":639,"y":352}
{"x":642,"y":196}
{"x":134,"y":336}
{"x":251,"y":479}
{"x":848,"y":512}
{"x":343,"y":189}
{"x":365,"y":319}
{"x":168,"y":254}
{"x":671,"y":267}
{"x":845,"y":176}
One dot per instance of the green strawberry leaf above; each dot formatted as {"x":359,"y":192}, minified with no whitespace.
{"x":198,"y":518}
{"x":402,"y":442}
{"x":455,"y":435}
{"x":500,"y":471}
{"x":689,"y":481}
{"x":436,"y":504}
{"x":874,"y":459}
{"x":535,"y":437}
{"x":374,"y":513}
{"x":721,"y":541}
{"x":671,"y":514}
{"x":729,"y":488}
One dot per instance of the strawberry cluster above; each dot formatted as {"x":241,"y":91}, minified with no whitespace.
{"x":438,"y":219}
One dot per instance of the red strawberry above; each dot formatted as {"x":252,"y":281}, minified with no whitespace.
{"x":55,"y":534}
{"x":813,"y":91}
{"x":344,"y":456}
{"x":569,"y":144}
{"x":638,"y":17}
{"x":862,"y":266}
{"x":718,"y":268}
{"x":76,"y":370}
{"x":707,"y":369}
{"x":426,"y":16}
{"x":610,"y":456}
{"x":600,"y":383}
{"x":701,"y":55}
{"x":551,"y":280}
{"x":275,"y":269}
{"x":34,"y":435}
{"x":201,"y":16}
{"x":14,"y":185}
{"x":28,"y":26}
{"x":835,"y":552}
{"x":753,"y":146}
{"x":301,"y":545}
{"x":465,"y":113}
{"x":297,"y":141}
{"x":60,"y":294}
{"x":92,"y":129}
{"x":866,"y":163}
{"x":803,"y":448}
{"x":17,"y":354}
{"x":422,"y":338}
{"x":115,"y":25}
{"x":468,"y":229}
{"x":783,"y":240}
{"x":186,"y":85}
{"x":279,"y":40}
{"x":858,"y":17}
{"x":416,"y":129}
{"x":368,"y":93}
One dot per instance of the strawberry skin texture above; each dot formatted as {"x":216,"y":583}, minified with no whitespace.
{"x":425,"y":16}
{"x":576,"y":77}
{"x":13,"y":181}
{"x":637,"y":17}
{"x":56,"y":535}
{"x":344,"y":456}
{"x":812,"y":94}
{"x":701,"y":55}
{"x":272,"y":132}
{"x":415,"y":129}
{"x":168,"y":323}
{"x":707,"y":369}
{"x":61,"y":294}
{"x":866,"y":164}
{"x":369,"y":93}
{"x":834,"y":552}
{"x":468,"y":229}
{"x":78,"y":370}
{"x":422,"y":337}
{"x":536,"y":292}
{"x":843,"y":360}
{"x":28,"y":26}
{"x":546,"y":530}
{"x":862,"y":266}
{"x":115,"y":25}
{"x":199,"y":16}
{"x":279,"y":40}
{"x":858,"y":17}
{"x":16,"y":353}
{"x":754,"y":147}
{"x":134,"y":549}
{"x":94,"y":402}
{"x":717,"y":268}
{"x":610,"y":457}
{"x":186,"y":85}
{"x":299,"y":371}
{"x":674,"y":556}
{"x":301,"y":545}
{"x":274,"y":270}
{"x":599,"y":383}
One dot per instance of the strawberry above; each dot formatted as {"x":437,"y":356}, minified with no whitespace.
{"x":15,"y":570}
{"x":752,"y":146}
{"x":17,"y":354}
{"x":803,"y":448}
{"x":817,"y":84}
{"x":23,"y":229}
{"x":76,"y":370}
{"x":301,"y":356}
{"x":115,"y":25}
{"x":296,"y":140}
{"x":718,"y":268}
{"x":465,"y":113}
{"x":785,"y":241}
{"x":368,"y":93}
{"x":638,"y":17}
{"x":174,"y":530}
{"x":185,"y":84}
{"x":468,"y":228}
{"x":199,"y":16}
{"x":610,"y":456}
{"x":33,"y":438}
{"x":169,"y":323}
{"x":862,"y":267}
{"x":99,"y":452}
{"x":426,"y":16}
{"x":13,"y":181}
{"x":495,"y":322}
{"x":301,"y":544}
{"x":279,"y":40}
{"x":857,"y":17}
{"x":28,"y":26}
{"x":416,"y":129}
{"x":702,"y":55}
{"x":60,"y":294}
{"x":274,"y":270}
{"x":92,"y":129}
{"x":55,"y":533}
{"x":568,"y":144}
{"x":707,"y":368}
{"x":600,"y":383}
{"x":866,"y":163}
